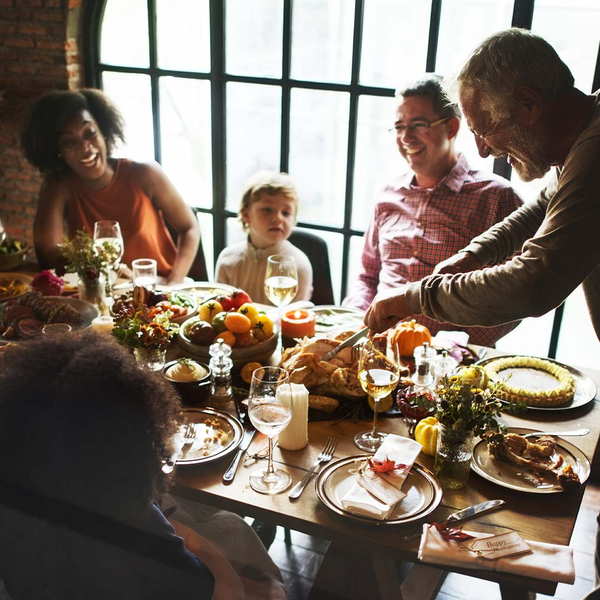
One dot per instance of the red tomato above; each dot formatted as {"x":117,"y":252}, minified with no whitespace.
{"x":245,"y":339}
{"x":225,"y":302}
{"x":240,"y":297}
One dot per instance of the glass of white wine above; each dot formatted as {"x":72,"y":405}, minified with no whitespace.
{"x":378,"y":373}
{"x":109,"y":232}
{"x":281,"y":282}
{"x":270,"y":411}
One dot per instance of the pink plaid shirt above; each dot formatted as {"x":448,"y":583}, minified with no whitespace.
{"x":415,"y":228}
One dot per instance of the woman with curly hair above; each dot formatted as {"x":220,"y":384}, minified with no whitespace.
{"x":70,"y":136}
{"x":83,"y":435}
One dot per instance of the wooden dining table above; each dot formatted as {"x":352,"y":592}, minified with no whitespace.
{"x":368,"y":552}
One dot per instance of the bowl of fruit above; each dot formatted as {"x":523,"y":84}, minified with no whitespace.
{"x":180,"y":305}
{"x":12,"y":253}
{"x":233,"y":318}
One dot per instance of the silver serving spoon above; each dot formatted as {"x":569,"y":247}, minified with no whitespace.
{"x":574,"y":432}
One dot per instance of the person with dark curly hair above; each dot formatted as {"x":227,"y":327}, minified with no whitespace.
{"x":83,"y":435}
{"x":70,"y":137}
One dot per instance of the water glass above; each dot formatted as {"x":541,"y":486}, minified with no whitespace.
{"x":144,"y":272}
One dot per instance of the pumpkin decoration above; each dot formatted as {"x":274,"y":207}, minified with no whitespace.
{"x":409,"y":335}
{"x":426,"y":433}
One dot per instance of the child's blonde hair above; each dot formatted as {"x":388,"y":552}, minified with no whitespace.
{"x":271,"y":183}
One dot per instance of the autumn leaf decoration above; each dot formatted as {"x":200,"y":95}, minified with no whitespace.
{"x":452,"y":533}
{"x":387,"y":466}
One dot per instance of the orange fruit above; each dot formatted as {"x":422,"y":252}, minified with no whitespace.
{"x":248,"y":369}
{"x":237,"y":322}
{"x":227,"y":336}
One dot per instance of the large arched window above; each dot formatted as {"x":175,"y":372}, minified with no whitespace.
{"x":216,"y":90}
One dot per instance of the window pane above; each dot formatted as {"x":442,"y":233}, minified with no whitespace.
{"x":529,"y":191}
{"x":318,"y":151}
{"x":253,"y":37}
{"x":394,"y":41}
{"x":354,"y":264}
{"x":531,"y":337}
{"x":465,"y":143}
{"x":124,"y":33}
{"x":131,"y":94}
{"x":253,"y":135}
{"x":206,"y":232}
{"x":322,"y":40}
{"x":186,"y":137}
{"x":460,"y":35}
{"x":572,"y":28}
{"x":183,"y":44}
{"x":377,"y":159}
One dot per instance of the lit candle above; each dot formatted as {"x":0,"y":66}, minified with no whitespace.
{"x":295,"y":435}
{"x":298,"y":323}
{"x":103,"y":324}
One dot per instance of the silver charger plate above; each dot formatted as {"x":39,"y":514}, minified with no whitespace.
{"x":585,"y":388}
{"x":203,"y":290}
{"x":337,"y":318}
{"x":199,"y":452}
{"x":423,"y":492}
{"x":512,"y":476}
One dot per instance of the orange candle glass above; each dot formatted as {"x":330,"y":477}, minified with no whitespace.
{"x":298,"y":323}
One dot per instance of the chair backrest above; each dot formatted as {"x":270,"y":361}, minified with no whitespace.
{"x":198,"y":270}
{"x":315,"y":249}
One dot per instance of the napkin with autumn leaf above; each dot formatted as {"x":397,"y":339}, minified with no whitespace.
{"x":377,"y":488}
{"x":545,"y":561}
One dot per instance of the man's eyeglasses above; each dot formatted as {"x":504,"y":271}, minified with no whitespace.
{"x":417,"y":127}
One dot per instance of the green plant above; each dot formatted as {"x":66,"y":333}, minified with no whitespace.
{"x":83,"y":257}
{"x":142,"y":331}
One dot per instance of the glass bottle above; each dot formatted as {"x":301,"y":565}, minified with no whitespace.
{"x":220,"y":373}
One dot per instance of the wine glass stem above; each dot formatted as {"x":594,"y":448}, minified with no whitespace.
{"x":270,"y":469}
{"x":375,"y":415}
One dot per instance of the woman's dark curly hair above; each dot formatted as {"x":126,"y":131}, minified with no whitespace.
{"x":48,"y":116}
{"x":80,"y":422}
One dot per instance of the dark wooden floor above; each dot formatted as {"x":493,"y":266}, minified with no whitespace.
{"x":300,"y":562}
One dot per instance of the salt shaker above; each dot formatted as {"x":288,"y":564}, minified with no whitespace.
{"x":444,"y":366}
{"x":424,"y":355}
{"x":220,"y":373}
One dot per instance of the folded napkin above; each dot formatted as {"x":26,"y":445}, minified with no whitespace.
{"x":359,"y":501}
{"x":548,"y":562}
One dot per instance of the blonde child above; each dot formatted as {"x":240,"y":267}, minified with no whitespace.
{"x":268,"y":212}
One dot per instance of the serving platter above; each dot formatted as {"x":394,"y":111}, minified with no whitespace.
{"x":585,"y":388}
{"x":514,"y":477}
{"x":203,"y":290}
{"x":5,"y":281}
{"x":210,"y":424}
{"x":423,"y":492}
{"x":332,"y":318}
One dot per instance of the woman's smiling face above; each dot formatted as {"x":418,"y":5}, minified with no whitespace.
{"x":83,"y":148}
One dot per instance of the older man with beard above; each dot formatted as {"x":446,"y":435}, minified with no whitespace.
{"x":519,"y":100}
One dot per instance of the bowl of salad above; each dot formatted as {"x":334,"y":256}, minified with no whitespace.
{"x":12,"y":253}
{"x":180,"y":305}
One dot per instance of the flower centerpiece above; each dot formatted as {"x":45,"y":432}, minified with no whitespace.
{"x":90,"y":262}
{"x":148,"y":336}
{"x":467,"y":407}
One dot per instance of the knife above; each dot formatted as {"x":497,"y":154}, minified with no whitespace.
{"x":461,"y":515}
{"x":230,"y":473}
{"x":349,"y":342}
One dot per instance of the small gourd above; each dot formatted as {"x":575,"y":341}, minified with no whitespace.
{"x":426,"y":433}
{"x":409,"y":335}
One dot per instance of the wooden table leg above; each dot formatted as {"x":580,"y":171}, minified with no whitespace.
{"x":514,"y":592}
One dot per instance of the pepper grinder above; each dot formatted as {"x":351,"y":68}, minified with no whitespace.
{"x":424,"y":357}
{"x":220,"y":373}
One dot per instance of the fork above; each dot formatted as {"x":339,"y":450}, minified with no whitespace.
{"x":325,"y":456}
{"x":189,"y":435}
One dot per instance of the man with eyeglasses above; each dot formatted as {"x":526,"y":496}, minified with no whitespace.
{"x":433,"y":210}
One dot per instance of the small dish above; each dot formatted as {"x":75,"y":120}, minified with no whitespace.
{"x":191,"y":392}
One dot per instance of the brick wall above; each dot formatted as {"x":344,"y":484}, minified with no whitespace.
{"x":39,"y":51}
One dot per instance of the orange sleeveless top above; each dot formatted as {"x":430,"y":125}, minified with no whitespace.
{"x":143,"y":228}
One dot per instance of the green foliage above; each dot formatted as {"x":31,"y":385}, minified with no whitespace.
{"x":83,"y":257}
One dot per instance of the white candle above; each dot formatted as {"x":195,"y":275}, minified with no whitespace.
{"x":295,"y":435}
{"x":103,"y":324}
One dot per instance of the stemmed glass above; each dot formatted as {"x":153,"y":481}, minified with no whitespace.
{"x":109,"y":232}
{"x":378,"y":373}
{"x":270,"y":411}
{"x":281,"y":282}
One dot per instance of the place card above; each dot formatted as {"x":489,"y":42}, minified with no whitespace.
{"x":498,"y":546}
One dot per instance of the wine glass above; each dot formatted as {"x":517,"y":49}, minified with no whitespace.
{"x":270,"y":411}
{"x":281,"y":282}
{"x":109,"y":232}
{"x":378,"y":373}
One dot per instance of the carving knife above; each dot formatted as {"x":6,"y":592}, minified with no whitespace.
{"x":230,"y":473}
{"x":349,"y":342}
{"x":461,"y":515}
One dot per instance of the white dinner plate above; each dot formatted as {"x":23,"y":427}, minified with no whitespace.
{"x":585,"y":388}
{"x":514,"y":477}
{"x":423,"y":492}
{"x":203,"y":290}
{"x":210,"y":421}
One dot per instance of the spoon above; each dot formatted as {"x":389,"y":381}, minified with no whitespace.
{"x":574,"y":432}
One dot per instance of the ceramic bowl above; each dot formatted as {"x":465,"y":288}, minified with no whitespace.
{"x":191,"y":392}
{"x":13,"y":260}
